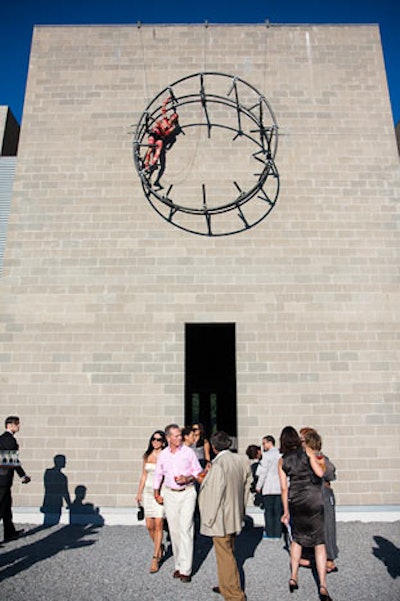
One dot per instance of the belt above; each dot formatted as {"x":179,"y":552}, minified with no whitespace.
{"x":180,"y":489}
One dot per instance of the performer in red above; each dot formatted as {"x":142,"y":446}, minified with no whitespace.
{"x":162,"y":137}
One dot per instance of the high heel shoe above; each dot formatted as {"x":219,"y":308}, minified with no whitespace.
{"x":332,"y":570}
{"x":324,"y":596}
{"x":293,"y":586}
{"x":155,"y":565}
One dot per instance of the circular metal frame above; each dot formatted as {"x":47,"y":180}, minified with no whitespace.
{"x":250,"y":118}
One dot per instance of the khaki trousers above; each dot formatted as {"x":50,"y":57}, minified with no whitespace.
{"x":228,"y":573}
{"x":179,"y":511}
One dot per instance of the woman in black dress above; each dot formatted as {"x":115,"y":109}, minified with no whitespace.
{"x":311,"y":438}
{"x":303,"y":506}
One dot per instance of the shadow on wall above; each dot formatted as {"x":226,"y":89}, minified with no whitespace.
{"x":84,"y":513}
{"x":56,"y":493}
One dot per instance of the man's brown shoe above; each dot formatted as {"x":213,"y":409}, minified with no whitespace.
{"x":185,"y":578}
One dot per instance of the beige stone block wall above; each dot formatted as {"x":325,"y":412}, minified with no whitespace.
{"x":97,"y":287}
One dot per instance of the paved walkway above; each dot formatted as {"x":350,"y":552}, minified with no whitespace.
{"x":111,"y":563}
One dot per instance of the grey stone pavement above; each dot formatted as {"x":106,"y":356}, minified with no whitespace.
{"x":111,"y":563}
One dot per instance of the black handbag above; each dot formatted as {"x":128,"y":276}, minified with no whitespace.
{"x":140,"y":513}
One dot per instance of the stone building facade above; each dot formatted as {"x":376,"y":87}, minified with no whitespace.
{"x":9,"y":134}
{"x":114,"y":323}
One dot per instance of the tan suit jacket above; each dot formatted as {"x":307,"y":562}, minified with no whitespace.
{"x":223,"y":495}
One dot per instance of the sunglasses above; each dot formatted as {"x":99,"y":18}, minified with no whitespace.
{"x":157,"y":439}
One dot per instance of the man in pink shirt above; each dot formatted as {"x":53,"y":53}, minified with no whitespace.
{"x":177,"y":470}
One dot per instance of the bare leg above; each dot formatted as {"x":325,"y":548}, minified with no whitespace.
{"x":157,"y":151}
{"x":150,"y":527}
{"x":158,"y":536}
{"x":295,"y":555}
{"x":149,"y":152}
{"x":320,"y":560}
{"x":161,"y":170}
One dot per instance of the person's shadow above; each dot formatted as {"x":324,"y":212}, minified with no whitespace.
{"x":202,"y":544}
{"x":246,"y":545}
{"x":202,"y":547}
{"x":389,"y":554}
{"x":24,"y":557}
{"x":83,"y":513}
{"x":55,"y":492}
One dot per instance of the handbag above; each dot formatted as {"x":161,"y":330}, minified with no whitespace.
{"x":140,"y":513}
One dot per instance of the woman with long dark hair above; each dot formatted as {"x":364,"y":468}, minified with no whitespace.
{"x":153,"y":511}
{"x":202,"y":446}
{"x":303,"y":506}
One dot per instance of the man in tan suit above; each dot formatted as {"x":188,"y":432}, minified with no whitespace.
{"x":222,"y":502}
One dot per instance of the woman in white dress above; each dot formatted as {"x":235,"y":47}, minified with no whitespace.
{"x":153,"y":511}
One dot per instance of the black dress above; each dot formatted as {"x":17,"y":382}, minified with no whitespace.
{"x":328,"y":496}
{"x":306,"y":503}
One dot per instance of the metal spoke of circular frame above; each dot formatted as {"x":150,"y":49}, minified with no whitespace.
{"x":251,"y":120}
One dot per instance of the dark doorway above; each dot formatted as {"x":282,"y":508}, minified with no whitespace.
{"x":210,"y":377}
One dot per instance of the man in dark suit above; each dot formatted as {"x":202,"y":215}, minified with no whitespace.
{"x":9,"y":443}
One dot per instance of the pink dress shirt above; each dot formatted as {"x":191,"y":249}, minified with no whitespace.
{"x":181,"y":463}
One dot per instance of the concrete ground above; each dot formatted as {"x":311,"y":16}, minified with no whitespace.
{"x":111,"y":563}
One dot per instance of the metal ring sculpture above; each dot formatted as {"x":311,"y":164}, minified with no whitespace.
{"x":228,"y":104}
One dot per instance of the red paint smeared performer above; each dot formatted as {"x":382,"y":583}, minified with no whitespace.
{"x":162,"y":137}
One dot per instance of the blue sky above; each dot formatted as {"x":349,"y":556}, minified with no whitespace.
{"x":18,"y":17}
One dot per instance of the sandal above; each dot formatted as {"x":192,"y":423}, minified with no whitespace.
{"x":324,"y":596}
{"x":332,"y":570}
{"x":293,"y":586}
{"x":155,"y":565}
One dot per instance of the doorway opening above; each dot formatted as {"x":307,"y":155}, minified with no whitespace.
{"x":210,"y":377}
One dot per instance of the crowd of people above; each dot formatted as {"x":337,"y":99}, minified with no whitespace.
{"x":183,"y":470}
